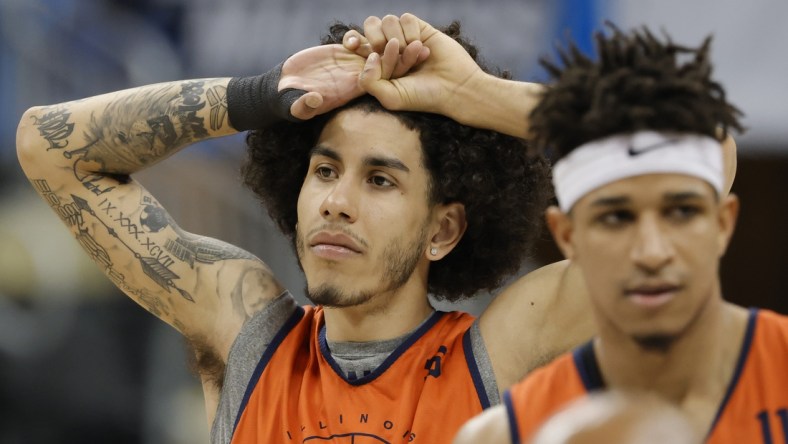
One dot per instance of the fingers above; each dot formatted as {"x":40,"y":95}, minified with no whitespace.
{"x":371,"y":81}
{"x":355,"y":42}
{"x":406,"y":29}
{"x":423,"y":54}
{"x":397,"y":39}
{"x":411,"y":27}
{"x":416,"y":31}
{"x":371,"y":74}
{"x":394,"y":65}
{"x":392,"y":29}
{"x":306,"y":106}
{"x":390,"y":59}
{"x":410,"y":57}
{"x":374,"y":33}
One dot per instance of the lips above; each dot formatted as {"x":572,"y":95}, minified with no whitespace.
{"x":652,"y":295}
{"x":652,"y":289}
{"x":334,"y":245}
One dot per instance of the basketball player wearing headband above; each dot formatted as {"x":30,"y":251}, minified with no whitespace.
{"x":644,"y":212}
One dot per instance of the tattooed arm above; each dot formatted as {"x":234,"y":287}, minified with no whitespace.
{"x":79,"y":156}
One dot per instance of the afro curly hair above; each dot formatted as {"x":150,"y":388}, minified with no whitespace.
{"x":639,"y":83}
{"x":503,"y":186}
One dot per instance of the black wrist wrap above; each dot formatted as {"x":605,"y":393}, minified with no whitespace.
{"x":256,"y":103}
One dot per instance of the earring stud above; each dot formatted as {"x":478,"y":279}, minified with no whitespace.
{"x":434,"y":251}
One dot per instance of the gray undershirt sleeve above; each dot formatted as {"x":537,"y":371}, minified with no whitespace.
{"x":484,"y":364}
{"x":245,"y":353}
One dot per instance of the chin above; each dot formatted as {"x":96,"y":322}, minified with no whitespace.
{"x":657,"y":343}
{"x":334,"y":296}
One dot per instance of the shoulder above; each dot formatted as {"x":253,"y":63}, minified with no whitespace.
{"x":769,"y":329}
{"x":265,"y":331}
{"x":771,"y":317}
{"x":540,"y":315}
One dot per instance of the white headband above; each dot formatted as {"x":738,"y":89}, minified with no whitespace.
{"x":607,"y":160}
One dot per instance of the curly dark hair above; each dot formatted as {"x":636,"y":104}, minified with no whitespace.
{"x":638,"y":83}
{"x":502,"y":185}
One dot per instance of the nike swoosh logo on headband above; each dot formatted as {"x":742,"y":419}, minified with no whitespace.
{"x":640,"y":150}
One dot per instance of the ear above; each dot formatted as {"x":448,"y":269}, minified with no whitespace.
{"x":728,"y":162}
{"x":560,"y":225}
{"x":728,"y":214}
{"x":448,"y":227}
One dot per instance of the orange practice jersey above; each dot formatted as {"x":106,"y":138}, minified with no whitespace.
{"x":422,"y":393}
{"x":753,"y":411}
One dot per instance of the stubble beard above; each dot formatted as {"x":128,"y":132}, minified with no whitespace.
{"x":400,"y":263}
{"x":663,"y":342}
{"x":655,"y":343}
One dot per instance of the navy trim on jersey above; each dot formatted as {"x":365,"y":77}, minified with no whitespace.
{"x":514,"y":431}
{"x":424,"y":328}
{"x":476,"y":375}
{"x":588,"y":367}
{"x":280,"y":336}
{"x":743,"y":354}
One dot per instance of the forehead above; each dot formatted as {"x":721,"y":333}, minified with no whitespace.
{"x":355,"y":132}
{"x":648,"y":189}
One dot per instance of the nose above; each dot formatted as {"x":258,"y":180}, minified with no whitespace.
{"x":341,"y":202}
{"x":653,"y":248}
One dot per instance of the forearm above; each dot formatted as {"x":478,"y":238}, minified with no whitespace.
{"x":125,"y":131}
{"x":493,"y":103}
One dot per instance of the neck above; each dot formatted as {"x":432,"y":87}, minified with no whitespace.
{"x":386,"y":316}
{"x":696,"y":367}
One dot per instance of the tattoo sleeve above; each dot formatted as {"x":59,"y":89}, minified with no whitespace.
{"x":79,"y":157}
{"x":126,"y":131}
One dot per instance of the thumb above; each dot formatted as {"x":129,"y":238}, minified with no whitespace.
{"x":371,"y":73}
{"x":372,"y":82}
{"x":306,"y":106}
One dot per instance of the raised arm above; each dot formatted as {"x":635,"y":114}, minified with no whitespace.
{"x":79,"y":155}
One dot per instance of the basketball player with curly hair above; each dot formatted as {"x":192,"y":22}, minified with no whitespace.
{"x":383,"y":203}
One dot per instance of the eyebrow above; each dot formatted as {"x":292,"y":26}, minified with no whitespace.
{"x":683,"y":196}
{"x":610,"y":201}
{"x":373,"y":161}
{"x":321,"y":150}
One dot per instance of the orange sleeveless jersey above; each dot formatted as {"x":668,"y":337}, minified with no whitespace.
{"x":753,"y":411}
{"x":422,"y":393}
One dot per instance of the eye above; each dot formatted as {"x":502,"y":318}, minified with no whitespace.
{"x":615,"y":218}
{"x":682,"y":213}
{"x":380,"y":181}
{"x":325,"y":172}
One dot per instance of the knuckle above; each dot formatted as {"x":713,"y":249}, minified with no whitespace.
{"x":371,"y":21}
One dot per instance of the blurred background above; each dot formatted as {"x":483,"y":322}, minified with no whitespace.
{"x":81,"y":363}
